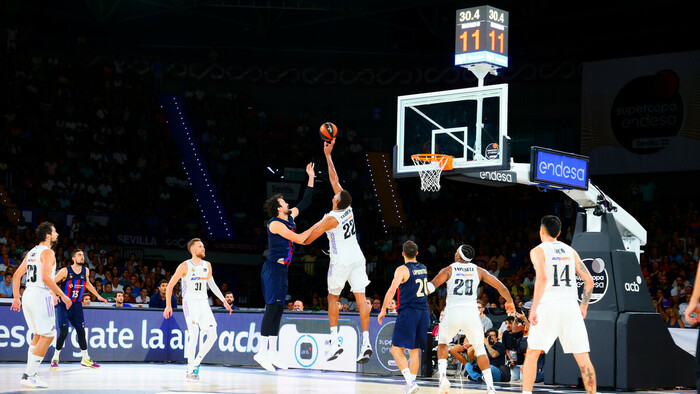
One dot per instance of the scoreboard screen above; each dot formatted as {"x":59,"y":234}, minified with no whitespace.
{"x":481,"y":36}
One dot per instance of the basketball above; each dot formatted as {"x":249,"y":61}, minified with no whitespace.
{"x":328,"y":131}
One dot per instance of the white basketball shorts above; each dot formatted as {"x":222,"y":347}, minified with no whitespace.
{"x":561,"y":320}
{"x":465,"y":318}
{"x":198,"y":312}
{"x":354,"y":273}
{"x":39,"y":311}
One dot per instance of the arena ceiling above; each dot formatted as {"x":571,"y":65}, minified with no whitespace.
{"x":333,"y":32}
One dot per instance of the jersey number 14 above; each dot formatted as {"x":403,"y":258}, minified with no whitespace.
{"x":565,"y":277}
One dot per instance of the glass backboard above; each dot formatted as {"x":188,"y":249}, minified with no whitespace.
{"x":469,"y":124}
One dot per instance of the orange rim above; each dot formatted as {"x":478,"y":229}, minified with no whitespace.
{"x":436,"y":158}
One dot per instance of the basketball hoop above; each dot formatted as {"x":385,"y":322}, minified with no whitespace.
{"x":430,"y":167}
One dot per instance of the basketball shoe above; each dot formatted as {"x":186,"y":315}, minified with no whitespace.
{"x":334,"y":350}
{"x":33,"y":382}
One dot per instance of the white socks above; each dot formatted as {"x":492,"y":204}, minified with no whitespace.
{"x":272,"y":343}
{"x":262,"y":346}
{"x":407,"y":375}
{"x":33,"y":364}
{"x":334,"y":333}
{"x":365,"y":337}
{"x":56,"y":353}
{"x":442,"y":367}
{"x":83,"y":352}
{"x":527,"y":392}
{"x":488,"y":378}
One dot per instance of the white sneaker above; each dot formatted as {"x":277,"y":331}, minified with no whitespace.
{"x":365,"y":353}
{"x":411,"y":388}
{"x":263,"y":358}
{"x":33,"y":382}
{"x":444,"y":384}
{"x":276,"y":360}
{"x":334,"y":350}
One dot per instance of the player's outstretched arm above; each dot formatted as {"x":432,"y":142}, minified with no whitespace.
{"x":16,"y":280}
{"x":48,"y":259}
{"x":585,"y":275}
{"x":282,"y":230}
{"x":325,"y":224}
{"x":537,"y":258}
{"x":308,"y":193}
{"x":179,"y":273}
{"x":215,"y":289}
{"x":498,"y":285}
{"x":400,"y":275}
{"x":92,"y":288}
{"x":332,"y":174}
{"x":442,"y":277}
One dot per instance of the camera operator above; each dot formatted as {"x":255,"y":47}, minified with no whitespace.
{"x":496,"y":353}
{"x":516,"y":327}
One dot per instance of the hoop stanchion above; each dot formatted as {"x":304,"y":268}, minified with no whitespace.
{"x":430,"y":166}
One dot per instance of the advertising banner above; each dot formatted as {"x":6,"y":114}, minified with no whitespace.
{"x":135,"y":334}
{"x":638,"y":114}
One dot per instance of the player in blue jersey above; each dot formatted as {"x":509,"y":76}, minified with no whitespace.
{"x":73,"y":280}
{"x":413,"y":321}
{"x":280,"y":248}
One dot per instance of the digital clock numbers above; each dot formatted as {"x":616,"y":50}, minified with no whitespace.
{"x":481,"y":36}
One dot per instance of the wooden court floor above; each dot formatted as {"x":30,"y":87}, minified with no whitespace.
{"x":169,"y":378}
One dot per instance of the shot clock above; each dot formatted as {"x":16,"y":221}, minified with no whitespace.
{"x":481,"y":36}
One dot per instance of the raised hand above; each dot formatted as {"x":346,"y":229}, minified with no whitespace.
{"x":328,"y":147}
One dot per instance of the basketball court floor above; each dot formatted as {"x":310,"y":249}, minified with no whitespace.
{"x":169,"y":378}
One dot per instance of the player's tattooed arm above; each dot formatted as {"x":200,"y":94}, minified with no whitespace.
{"x":586,"y":297}
{"x":585,"y":275}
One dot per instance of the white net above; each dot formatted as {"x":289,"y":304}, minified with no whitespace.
{"x":429,"y":169}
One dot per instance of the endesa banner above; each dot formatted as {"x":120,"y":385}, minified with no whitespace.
{"x":136,"y":335}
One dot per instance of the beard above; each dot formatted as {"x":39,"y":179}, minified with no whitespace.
{"x":200,"y":255}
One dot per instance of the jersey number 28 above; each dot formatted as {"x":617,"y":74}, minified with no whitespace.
{"x":463,"y":287}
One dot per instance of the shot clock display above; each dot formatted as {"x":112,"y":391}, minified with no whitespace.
{"x":481,"y":36}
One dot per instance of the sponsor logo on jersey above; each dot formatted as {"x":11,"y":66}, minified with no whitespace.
{"x":560,"y":251}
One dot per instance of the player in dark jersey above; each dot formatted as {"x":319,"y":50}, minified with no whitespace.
{"x":73,"y":280}
{"x":413,"y":321}
{"x":280,"y":248}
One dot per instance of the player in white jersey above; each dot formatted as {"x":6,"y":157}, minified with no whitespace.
{"x":347,"y":261}
{"x":462,"y":313}
{"x":555,"y":311}
{"x":196,"y":275}
{"x":38,"y":300}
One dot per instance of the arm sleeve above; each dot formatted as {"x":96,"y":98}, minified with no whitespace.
{"x":215,"y":289}
{"x":306,"y":200}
